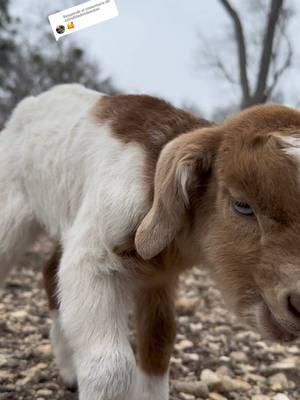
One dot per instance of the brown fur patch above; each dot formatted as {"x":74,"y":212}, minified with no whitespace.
{"x":50,"y":278}
{"x":251,"y":160}
{"x":156,"y":328}
{"x":263,"y":119}
{"x":146,"y":120}
{"x":181,"y":173}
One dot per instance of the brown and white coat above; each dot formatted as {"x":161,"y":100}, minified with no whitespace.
{"x":135,"y":191}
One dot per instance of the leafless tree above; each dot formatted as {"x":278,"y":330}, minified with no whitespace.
{"x":263,"y":52}
{"x":29,"y":68}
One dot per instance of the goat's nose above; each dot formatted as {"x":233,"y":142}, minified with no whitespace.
{"x":294,"y":304}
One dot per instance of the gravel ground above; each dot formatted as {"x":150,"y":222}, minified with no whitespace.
{"x":215,"y":357}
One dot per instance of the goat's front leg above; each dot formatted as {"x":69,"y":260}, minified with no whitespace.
{"x":156,"y":332}
{"x":94,"y":308}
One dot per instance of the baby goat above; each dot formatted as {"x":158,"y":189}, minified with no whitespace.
{"x":135,"y":191}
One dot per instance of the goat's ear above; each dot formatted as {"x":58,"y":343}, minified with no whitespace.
{"x":179,"y":168}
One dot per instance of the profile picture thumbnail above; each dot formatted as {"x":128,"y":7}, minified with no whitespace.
{"x":60,"y":29}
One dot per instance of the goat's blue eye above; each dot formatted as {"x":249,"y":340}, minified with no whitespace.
{"x":243,"y":208}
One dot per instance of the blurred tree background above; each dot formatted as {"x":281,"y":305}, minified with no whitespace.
{"x":254,"y":54}
{"x":28,"y":69}
{"x":252,"y":57}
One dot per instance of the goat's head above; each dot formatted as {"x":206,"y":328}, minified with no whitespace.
{"x":237,"y":188}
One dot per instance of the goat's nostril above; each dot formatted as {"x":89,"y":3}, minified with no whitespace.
{"x":294,"y":304}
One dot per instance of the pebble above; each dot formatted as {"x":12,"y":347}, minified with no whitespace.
{"x":184,"y":345}
{"x":45,"y":392}
{"x":256,"y":378}
{"x":5,"y":376}
{"x":196,"y":327}
{"x":185,"y":396}
{"x":293,"y":349}
{"x":260,"y":397}
{"x":210,"y":378}
{"x":3,"y":361}
{"x":216,"y":396}
{"x":280,"y":396}
{"x":20,"y":314}
{"x":278,"y":381}
{"x":32,"y":374}
{"x":186,"y":304}
{"x":45,"y":349}
{"x":198,"y":389}
{"x":223,"y":371}
{"x":238,"y":356}
{"x":285,"y":364}
{"x":228,"y":384}
{"x":192,"y":356}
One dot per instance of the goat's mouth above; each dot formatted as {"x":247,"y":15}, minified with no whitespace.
{"x":274,"y":328}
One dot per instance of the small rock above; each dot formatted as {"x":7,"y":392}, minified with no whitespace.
{"x":3,"y":360}
{"x":5,"y":376}
{"x":256,"y":378}
{"x":183,"y":345}
{"x":215,"y":347}
{"x":223,"y":371}
{"x":186,"y":304}
{"x":260,"y":397}
{"x":216,"y":396}
{"x":286,"y":364}
{"x":20,"y":314}
{"x":224,"y":359}
{"x":228,"y":385}
{"x":210,"y":378}
{"x":293,"y":350}
{"x":187,"y":396}
{"x":193,"y":357}
{"x":198,"y":389}
{"x":280,"y":396}
{"x":277,"y":348}
{"x":196,"y":327}
{"x":238,"y":356}
{"x":45,"y":392}
{"x":278,"y":381}
{"x":291,"y":385}
{"x":45,"y":349}
{"x":32,"y":374}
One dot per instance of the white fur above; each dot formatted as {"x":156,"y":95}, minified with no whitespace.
{"x":292,"y":145}
{"x":63,"y":170}
{"x":62,"y":352}
{"x":150,"y":387}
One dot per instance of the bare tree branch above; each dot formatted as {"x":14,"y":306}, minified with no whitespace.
{"x":214,"y":61}
{"x":267,"y":49}
{"x":284,"y":66}
{"x":242,"y":54}
{"x":263,"y":48}
{"x":221,"y":67}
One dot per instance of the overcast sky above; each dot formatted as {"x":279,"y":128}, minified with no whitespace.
{"x":152,"y":47}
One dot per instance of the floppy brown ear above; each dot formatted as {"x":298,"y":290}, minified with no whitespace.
{"x":179,"y":168}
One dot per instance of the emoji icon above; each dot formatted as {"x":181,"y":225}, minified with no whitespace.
{"x":60,"y":29}
{"x":70,"y":25}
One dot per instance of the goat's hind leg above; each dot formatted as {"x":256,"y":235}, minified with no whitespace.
{"x":18,"y":228}
{"x":61,"y":349}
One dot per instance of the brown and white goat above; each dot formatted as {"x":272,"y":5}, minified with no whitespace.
{"x":136,"y":191}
